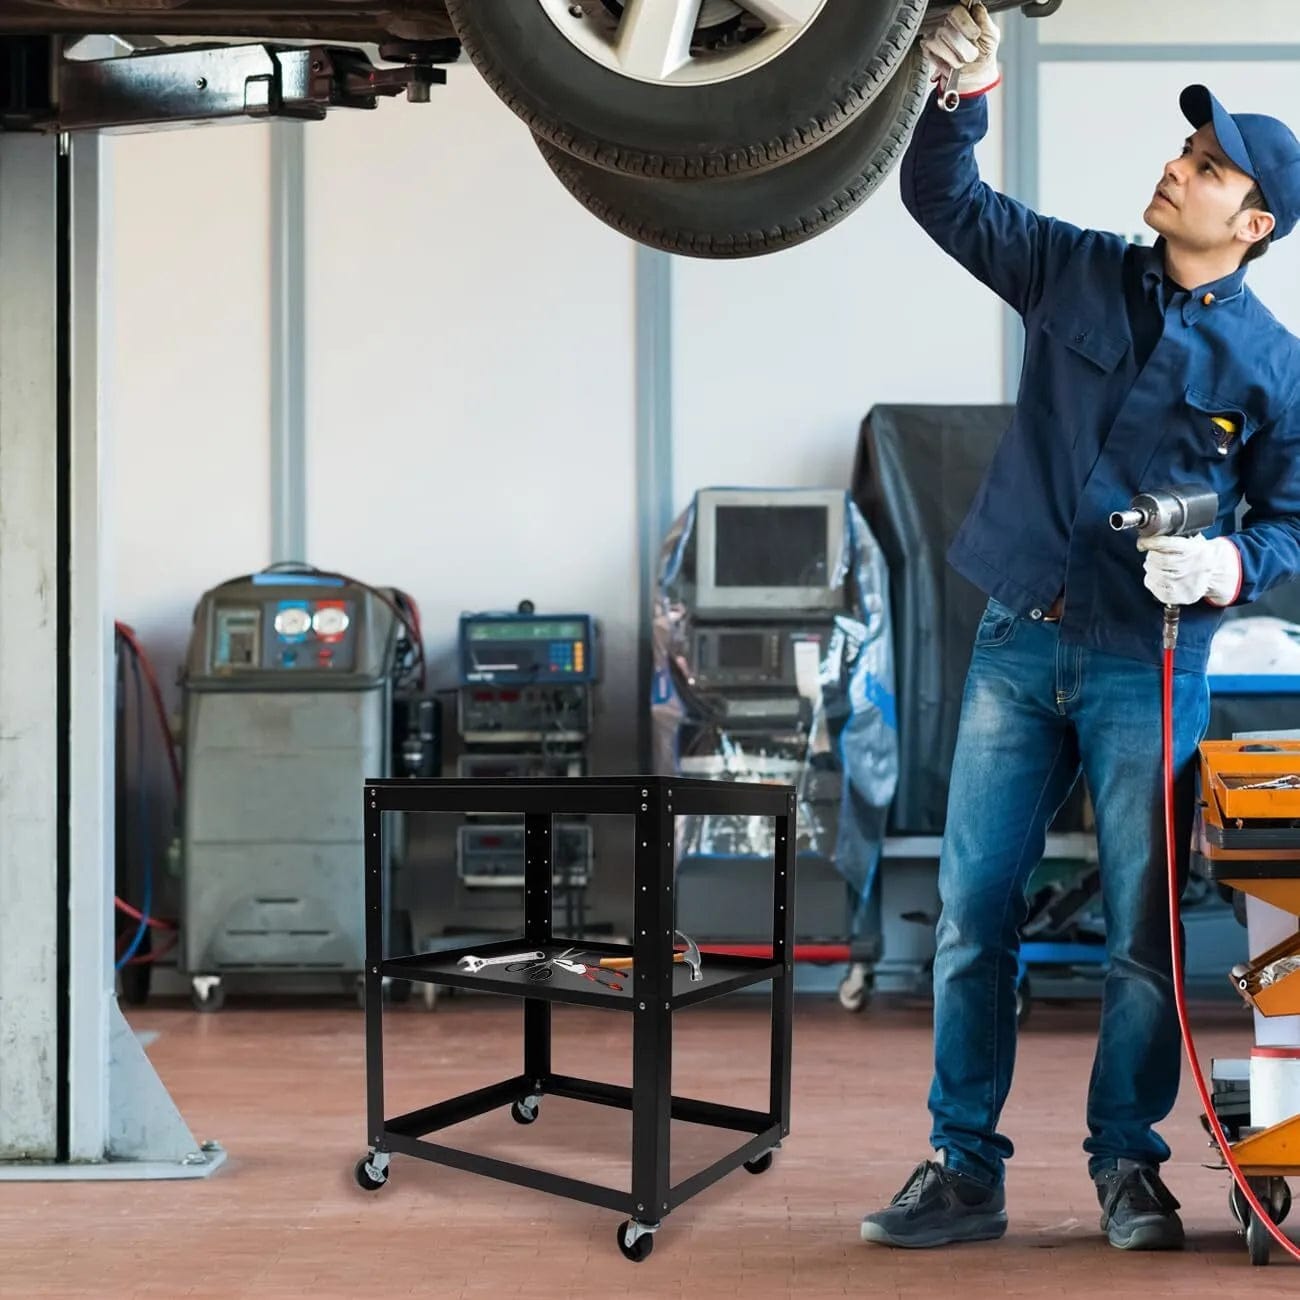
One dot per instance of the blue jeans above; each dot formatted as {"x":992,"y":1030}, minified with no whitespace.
{"x":1036,"y":712}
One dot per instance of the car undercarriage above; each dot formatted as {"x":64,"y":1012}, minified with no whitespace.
{"x":711,"y":128}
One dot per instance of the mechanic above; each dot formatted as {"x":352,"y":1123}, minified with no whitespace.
{"x":1144,"y":367}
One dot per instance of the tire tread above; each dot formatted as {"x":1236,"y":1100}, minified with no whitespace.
{"x":826,"y":213}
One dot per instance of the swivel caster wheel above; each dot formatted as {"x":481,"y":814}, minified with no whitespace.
{"x":371,"y":1172}
{"x":1024,"y":1000}
{"x":761,"y":1164}
{"x":1278,"y":1200}
{"x":855,"y":988}
{"x":636,"y":1240}
{"x":1231,"y":1130}
{"x":526,"y":1111}
{"x":207,"y":993}
{"x":1258,"y":1241}
{"x":1241,"y":1211}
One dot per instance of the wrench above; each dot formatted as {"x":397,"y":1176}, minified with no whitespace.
{"x":949,"y":94}
{"x":1289,"y":782}
{"x":475,"y":964}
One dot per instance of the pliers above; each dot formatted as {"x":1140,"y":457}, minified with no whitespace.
{"x":607,"y":979}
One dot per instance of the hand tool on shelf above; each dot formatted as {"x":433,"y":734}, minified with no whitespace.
{"x":473,"y":964}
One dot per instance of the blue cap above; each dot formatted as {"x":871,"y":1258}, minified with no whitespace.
{"x":1264,"y":148}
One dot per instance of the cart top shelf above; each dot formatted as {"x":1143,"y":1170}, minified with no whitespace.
{"x":670,"y":795}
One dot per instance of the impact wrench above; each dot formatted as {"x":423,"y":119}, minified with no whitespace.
{"x":1183,"y":512}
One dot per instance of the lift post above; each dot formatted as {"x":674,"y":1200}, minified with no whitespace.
{"x":78,"y":1096}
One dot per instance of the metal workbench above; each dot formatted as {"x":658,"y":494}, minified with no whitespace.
{"x":655,"y":988}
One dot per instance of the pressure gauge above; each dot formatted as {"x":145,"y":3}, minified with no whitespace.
{"x":293,"y":621}
{"x":330,"y":621}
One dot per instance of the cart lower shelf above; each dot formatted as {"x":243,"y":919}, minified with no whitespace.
{"x":407,"y":1134}
{"x":721,"y":973}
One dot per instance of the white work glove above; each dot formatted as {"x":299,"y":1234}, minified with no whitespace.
{"x":967,"y":41}
{"x":1183,"y":570}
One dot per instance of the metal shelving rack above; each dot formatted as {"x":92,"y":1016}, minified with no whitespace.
{"x":655,"y":988}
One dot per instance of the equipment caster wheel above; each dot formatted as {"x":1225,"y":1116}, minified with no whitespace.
{"x":855,"y":988}
{"x":369,"y":1177}
{"x":207,"y":993}
{"x":1278,"y":1199}
{"x":642,"y":1240}
{"x":1237,"y":1204}
{"x":394,"y":991}
{"x":760,"y":1165}
{"x":1258,"y":1242}
{"x":526,"y":1111}
{"x":1024,"y":1000}
{"x":1230,"y":1130}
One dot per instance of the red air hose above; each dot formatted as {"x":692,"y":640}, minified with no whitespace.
{"x":1180,"y":996}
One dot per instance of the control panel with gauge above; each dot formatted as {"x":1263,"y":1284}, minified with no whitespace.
{"x":298,"y":686}
{"x":498,"y":715}
{"x":287,"y":635}
{"x":527,"y":649}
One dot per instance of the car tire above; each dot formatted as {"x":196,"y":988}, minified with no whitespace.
{"x":749,"y":121}
{"x":745,"y":216}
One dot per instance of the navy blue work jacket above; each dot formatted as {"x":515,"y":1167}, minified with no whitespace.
{"x":1123,"y":375}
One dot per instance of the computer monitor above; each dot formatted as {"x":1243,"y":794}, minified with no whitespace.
{"x":768,"y":551}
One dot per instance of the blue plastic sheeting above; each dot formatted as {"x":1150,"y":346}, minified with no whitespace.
{"x":843,"y":762}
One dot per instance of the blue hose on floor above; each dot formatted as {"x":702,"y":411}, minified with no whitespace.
{"x":146,"y":908}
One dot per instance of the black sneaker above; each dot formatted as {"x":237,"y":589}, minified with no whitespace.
{"x":1138,"y":1212}
{"x":938,"y":1206}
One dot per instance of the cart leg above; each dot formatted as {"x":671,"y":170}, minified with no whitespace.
{"x":538,"y":884}
{"x":652,"y":1038}
{"x":783,"y":933}
{"x":374,"y":980}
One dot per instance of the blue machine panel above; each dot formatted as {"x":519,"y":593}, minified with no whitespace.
{"x":527,"y":649}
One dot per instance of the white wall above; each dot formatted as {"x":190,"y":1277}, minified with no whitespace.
{"x":777,"y":359}
{"x":470,"y":368}
{"x":184,"y":362}
{"x":1180,"y":22}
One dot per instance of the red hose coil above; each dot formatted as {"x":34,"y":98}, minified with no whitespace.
{"x":1180,"y":995}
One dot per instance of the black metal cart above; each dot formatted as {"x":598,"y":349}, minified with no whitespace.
{"x":655,"y":987}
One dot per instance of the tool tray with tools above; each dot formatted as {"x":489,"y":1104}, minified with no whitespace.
{"x":659,"y":973}
{"x":718,"y":974}
{"x":1246,"y":837}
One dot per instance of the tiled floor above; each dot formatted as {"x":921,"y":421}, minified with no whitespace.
{"x":282,"y":1087}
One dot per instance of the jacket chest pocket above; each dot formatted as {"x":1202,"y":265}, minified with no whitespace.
{"x":1079,"y":361}
{"x":1214,"y":426}
{"x":1094,"y":347}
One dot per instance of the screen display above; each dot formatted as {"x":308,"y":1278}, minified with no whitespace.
{"x":508,"y":630}
{"x":771,"y":546}
{"x":238,"y":632}
{"x":741,"y":650}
